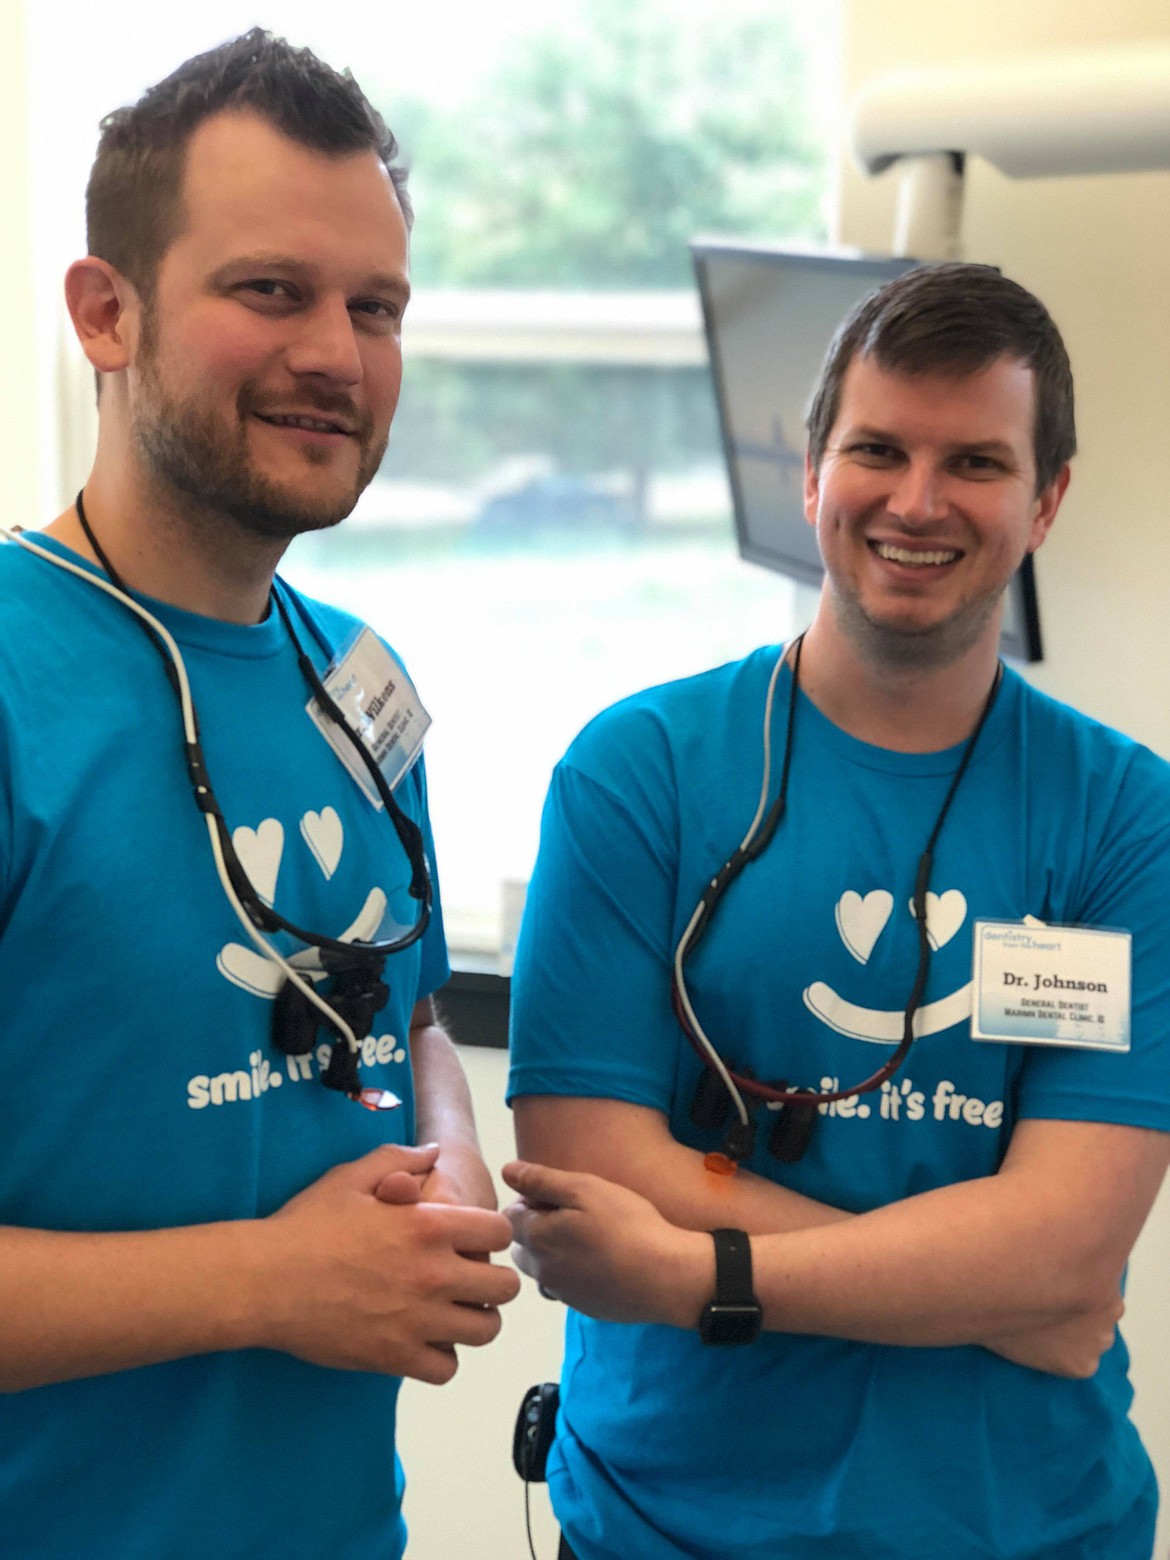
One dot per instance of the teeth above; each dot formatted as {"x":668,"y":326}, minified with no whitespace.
{"x":904,"y":555}
{"x":310,"y":424}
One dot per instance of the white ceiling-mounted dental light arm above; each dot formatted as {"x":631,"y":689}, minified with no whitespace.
{"x":1083,"y":112}
{"x":928,"y":217}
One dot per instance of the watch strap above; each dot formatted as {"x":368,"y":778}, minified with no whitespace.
{"x":733,"y":1268}
{"x":733,"y":1315}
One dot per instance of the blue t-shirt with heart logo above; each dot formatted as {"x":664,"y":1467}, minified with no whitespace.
{"x":810,"y":1448}
{"x":141,"y":1087}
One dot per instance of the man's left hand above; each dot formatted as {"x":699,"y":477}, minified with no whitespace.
{"x":605,"y":1250}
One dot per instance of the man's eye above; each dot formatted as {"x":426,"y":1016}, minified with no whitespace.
{"x":376,"y":308}
{"x":980,"y":465}
{"x":868,"y":450}
{"x":267,"y":287}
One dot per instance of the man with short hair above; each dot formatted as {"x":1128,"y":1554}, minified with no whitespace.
{"x":217,"y":885}
{"x":921,"y":940}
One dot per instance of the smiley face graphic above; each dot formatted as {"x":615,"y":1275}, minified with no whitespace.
{"x":261,"y":851}
{"x":861,"y":919}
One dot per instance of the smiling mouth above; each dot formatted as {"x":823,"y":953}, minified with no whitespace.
{"x":304,"y":423}
{"x":916,"y":557}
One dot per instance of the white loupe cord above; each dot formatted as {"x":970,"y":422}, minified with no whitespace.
{"x":172,"y":649}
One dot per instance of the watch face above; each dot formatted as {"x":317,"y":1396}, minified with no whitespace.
{"x":730,"y":1324}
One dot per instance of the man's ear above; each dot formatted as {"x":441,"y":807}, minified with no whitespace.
{"x":106,"y":311}
{"x":1047,"y":503}
{"x":812,"y":491}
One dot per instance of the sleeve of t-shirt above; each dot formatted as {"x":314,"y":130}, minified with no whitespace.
{"x":1127,"y":888}
{"x":591,"y":1012}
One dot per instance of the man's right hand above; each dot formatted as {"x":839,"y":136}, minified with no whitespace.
{"x":355,"y":1283}
{"x":1071,"y":1348}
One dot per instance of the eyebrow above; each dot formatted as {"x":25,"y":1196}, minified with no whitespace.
{"x":243,"y":265}
{"x":973,"y":447}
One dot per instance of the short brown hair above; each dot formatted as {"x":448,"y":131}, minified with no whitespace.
{"x":955,"y":318}
{"x":133,"y":203}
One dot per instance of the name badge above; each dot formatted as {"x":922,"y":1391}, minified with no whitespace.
{"x":1051,"y":985}
{"x":380,"y":703}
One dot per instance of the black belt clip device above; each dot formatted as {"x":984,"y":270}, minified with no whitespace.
{"x":536,"y":1425}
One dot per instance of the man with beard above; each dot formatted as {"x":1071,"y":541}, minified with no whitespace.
{"x":214,"y":1271}
{"x":921,"y":940}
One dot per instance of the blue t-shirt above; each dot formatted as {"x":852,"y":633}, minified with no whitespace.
{"x":808,"y":1448}
{"x":142,"y":1089}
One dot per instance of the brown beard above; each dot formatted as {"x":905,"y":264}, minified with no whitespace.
{"x":909,"y":649}
{"x":188,"y":452}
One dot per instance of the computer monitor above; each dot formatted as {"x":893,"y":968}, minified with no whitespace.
{"x":769,"y":315}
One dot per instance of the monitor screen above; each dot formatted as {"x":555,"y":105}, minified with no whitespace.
{"x":769,"y":315}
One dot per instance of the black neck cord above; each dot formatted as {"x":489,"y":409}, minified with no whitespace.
{"x":921,"y":886}
{"x":262,"y":916}
{"x":744,"y":854}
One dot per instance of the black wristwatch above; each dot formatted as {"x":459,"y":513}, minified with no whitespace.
{"x":733,"y":1315}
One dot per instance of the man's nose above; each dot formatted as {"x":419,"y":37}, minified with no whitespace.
{"x":326,"y":344}
{"x":919,"y":494}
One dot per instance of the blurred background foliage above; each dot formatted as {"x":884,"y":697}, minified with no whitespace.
{"x":591,"y":156}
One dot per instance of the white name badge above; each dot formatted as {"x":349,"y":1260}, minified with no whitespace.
{"x":379,"y":701}
{"x":1051,"y":985}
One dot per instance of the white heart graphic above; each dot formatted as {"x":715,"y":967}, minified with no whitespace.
{"x":945,"y":913}
{"x":325,"y":837}
{"x":862,"y":921}
{"x":260,"y":851}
